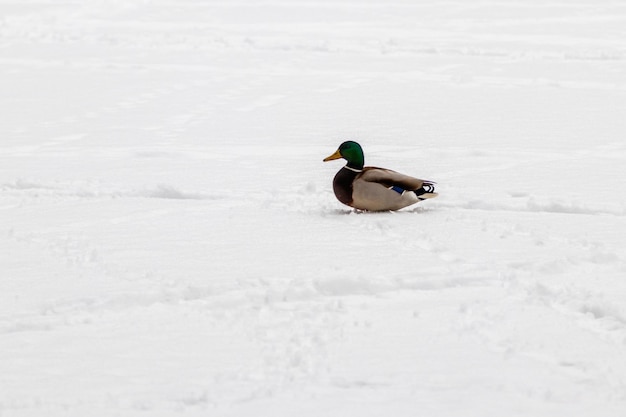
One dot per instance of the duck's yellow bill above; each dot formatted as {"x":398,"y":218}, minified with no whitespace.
{"x":336,"y":155}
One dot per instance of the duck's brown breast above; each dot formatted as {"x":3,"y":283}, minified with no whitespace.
{"x":342,"y":185}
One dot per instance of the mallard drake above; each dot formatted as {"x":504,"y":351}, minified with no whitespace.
{"x":375,"y":189}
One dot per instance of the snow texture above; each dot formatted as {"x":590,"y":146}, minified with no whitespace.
{"x":170,"y":244}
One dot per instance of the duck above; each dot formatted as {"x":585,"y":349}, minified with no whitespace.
{"x":372,"y":188}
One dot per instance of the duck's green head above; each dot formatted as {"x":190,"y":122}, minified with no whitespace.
{"x":351,"y":152}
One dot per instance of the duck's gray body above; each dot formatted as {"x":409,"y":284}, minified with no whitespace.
{"x":378,"y":189}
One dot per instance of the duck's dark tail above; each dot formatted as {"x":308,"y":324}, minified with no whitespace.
{"x":427,"y":190}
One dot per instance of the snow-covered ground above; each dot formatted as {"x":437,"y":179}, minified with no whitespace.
{"x":170,"y":244}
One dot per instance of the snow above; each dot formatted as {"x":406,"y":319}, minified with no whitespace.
{"x":170,"y":244}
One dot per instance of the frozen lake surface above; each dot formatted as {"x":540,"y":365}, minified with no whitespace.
{"x":170,"y":244}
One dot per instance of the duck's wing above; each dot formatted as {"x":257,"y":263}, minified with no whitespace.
{"x":379,"y":189}
{"x":390,"y":178}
